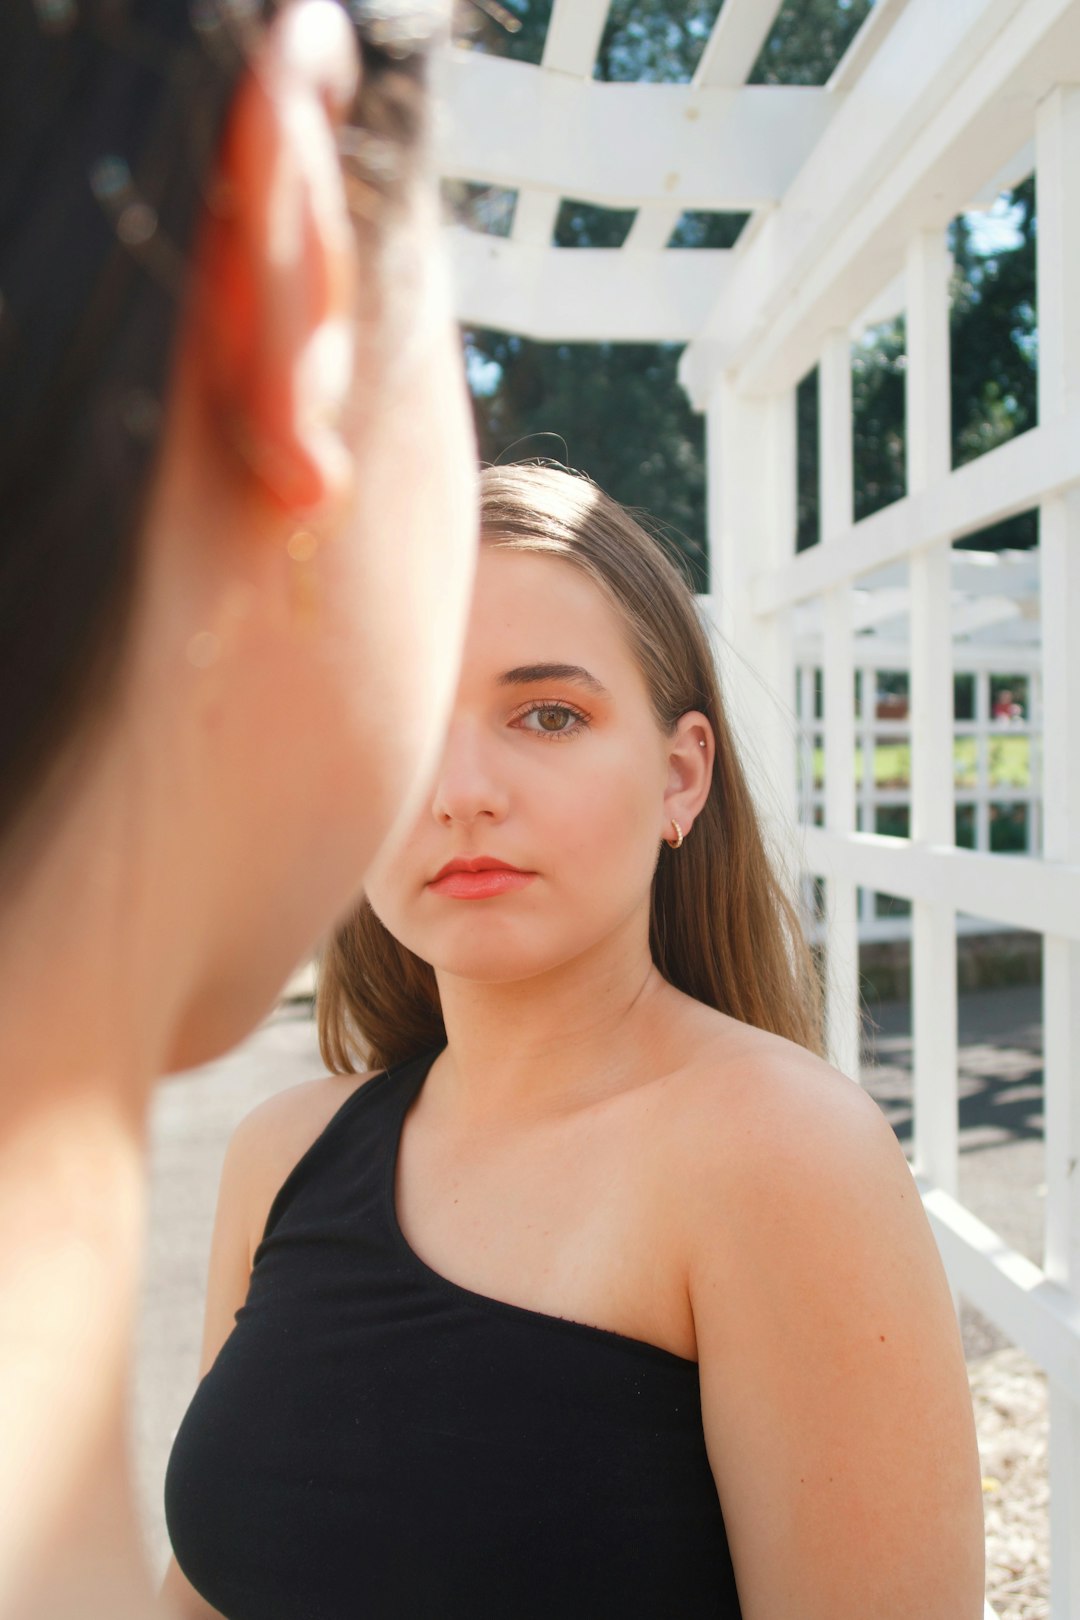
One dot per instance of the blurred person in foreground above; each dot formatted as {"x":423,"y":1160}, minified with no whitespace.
{"x":237,"y":509}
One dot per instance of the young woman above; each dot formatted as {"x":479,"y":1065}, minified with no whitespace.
{"x":238,"y":539}
{"x":599,"y":1293}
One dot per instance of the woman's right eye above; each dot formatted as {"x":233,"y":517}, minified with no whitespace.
{"x":551,"y":720}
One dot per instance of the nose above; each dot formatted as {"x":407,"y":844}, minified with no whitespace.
{"x":468,"y":785}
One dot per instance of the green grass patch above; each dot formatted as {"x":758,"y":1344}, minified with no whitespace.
{"x":1008,"y":763}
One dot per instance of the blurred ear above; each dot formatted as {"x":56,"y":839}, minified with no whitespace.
{"x":690,"y":767}
{"x":277,"y":274}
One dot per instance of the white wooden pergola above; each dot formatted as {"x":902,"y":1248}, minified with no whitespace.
{"x":937,"y":106}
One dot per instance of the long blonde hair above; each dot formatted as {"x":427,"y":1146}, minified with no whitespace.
{"x":722,"y":928}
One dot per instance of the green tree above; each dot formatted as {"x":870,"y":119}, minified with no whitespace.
{"x":613,"y":410}
{"x":878,"y":364}
{"x":808,"y":40}
{"x":656,"y":42}
{"x":995,"y":348}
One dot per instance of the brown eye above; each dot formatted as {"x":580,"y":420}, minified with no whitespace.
{"x":552,"y":720}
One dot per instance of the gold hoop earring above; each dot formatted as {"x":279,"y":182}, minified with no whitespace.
{"x":676,"y":842}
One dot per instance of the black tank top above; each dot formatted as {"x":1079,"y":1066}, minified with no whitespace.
{"x":374,"y":1442}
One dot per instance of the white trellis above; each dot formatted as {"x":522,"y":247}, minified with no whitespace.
{"x":937,"y":105}
{"x":990,"y":753}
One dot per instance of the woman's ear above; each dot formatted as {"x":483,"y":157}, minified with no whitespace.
{"x":691,"y":754}
{"x":274,"y":325}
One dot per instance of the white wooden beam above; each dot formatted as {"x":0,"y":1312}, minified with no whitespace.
{"x":974,"y":573}
{"x":735,"y":43}
{"x":1036,"y":1313}
{"x":751,"y":502}
{"x":1016,"y":889}
{"x":985,"y":613}
{"x":886,"y":304}
{"x":1010,"y":479}
{"x":583,"y":295}
{"x":933,"y":962}
{"x":573,"y":36}
{"x":873,"y":609}
{"x":950,"y":101}
{"x":841,"y":895}
{"x":1058,"y":179}
{"x":878,"y":607}
{"x":535,"y":214}
{"x":620,"y":145}
{"x":652,"y":228}
{"x":876,"y":28}
{"x":1018,"y":167}
{"x":894,"y":652}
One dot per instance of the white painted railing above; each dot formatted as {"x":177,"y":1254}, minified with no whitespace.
{"x":996,"y":775}
{"x":760,"y":583}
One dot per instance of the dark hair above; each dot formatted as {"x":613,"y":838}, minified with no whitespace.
{"x":110,"y":116}
{"x":722,"y":926}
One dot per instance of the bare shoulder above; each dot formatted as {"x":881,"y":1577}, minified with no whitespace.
{"x":751,"y":1103}
{"x":271,"y":1139}
{"x":277,"y":1133}
{"x":768,"y":1147}
{"x":285,"y":1125}
{"x":831,"y":1366}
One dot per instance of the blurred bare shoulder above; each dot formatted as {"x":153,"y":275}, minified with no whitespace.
{"x":274,"y":1136}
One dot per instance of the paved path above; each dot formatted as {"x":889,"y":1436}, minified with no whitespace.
{"x":1002,"y":1166}
{"x":193,"y":1117}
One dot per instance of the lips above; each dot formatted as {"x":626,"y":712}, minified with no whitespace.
{"x":480,"y":878}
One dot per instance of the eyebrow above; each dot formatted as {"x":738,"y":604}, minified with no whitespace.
{"x":529,"y":674}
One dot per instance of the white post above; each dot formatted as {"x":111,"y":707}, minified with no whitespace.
{"x":837,"y":514}
{"x":865,"y":794}
{"x":751,"y":494}
{"x":982,"y":770}
{"x":933,"y":941}
{"x":778,"y":498}
{"x":1058,"y":149}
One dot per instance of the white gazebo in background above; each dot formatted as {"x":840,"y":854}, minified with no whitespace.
{"x":937,"y":106}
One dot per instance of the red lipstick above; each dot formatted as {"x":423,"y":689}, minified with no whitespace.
{"x":480,"y":878}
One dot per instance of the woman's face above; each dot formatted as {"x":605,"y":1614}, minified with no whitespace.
{"x":554,"y":765}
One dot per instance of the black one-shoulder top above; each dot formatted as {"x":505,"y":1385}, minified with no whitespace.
{"x":375,"y":1442}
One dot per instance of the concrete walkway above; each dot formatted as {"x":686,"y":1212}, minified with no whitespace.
{"x":193,"y":1117}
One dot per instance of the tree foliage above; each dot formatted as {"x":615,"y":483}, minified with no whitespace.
{"x":995,"y":348}
{"x":613,"y":410}
{"x":807,"y":41}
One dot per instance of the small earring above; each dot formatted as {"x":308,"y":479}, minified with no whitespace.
{"x":676,"y":842}
{"x":301,"y":548}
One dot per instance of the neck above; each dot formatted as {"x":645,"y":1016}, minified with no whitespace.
{"x":554,"y":1041}
{"x":87,"y":1003}
{"x":71,"y":1218}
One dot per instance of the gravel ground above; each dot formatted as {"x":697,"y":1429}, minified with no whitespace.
{"x":1009,"y":1395}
